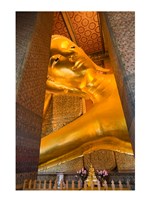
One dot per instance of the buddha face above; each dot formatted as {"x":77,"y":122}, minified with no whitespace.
{"x":68,"y":62}
{"x":62,"y":70}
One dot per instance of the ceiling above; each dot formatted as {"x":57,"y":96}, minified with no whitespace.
{"x":84,"y":28}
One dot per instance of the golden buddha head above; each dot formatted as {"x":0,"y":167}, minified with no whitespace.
{"x":68,"y":63}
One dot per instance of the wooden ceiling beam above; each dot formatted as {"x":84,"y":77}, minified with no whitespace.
{"x":69,"y":26}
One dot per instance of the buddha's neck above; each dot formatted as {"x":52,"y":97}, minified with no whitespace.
{"x":99,"y":87}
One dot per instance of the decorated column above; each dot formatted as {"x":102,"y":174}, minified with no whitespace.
{"x":33,"y":31}
{"x":119,"y":34}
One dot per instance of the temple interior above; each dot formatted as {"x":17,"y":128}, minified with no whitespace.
{"x":107,"y":38}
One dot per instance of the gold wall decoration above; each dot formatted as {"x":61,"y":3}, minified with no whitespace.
{"x":58,"y":114}
{"x":124,"y":162}
{"x":101,"y":159}
{"x":67,"y":167}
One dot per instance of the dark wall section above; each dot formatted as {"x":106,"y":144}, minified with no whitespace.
{"x":119,"y":31}
{"x":24,"y":30}
{"x":33,"y":33}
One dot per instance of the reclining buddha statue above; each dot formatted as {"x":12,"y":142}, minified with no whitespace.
{"x":103,"y":127}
